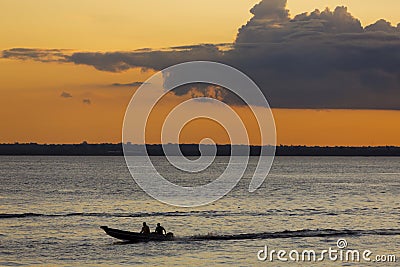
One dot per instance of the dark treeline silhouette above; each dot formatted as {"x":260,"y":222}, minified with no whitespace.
{"x":107,"y":149}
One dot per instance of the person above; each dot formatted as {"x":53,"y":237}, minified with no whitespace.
{"x":145,"y":229}
{"x":160,"y":230}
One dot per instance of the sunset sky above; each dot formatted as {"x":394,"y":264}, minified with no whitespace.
{"x":68,"y":69}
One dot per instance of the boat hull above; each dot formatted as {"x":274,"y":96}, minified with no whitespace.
{"x":136,"y":237}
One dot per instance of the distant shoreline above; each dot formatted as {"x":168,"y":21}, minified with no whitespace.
{"x":85,"y":149}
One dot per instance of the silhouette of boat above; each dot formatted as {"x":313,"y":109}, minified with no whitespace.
{"x":136,"y":237}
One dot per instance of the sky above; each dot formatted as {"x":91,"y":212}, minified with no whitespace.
{"x":68,"y":69}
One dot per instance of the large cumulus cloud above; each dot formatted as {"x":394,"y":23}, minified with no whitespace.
{"x":322,"y":59}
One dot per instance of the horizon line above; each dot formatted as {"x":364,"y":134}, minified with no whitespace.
{"x":197,"y":144}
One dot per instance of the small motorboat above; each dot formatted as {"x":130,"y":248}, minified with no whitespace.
{"x":136,"y":237}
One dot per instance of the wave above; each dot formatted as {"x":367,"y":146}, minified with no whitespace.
{"x":79,"y":214}
{"x":104,"y":214}
{"x":298,"y":233}
{"x":283,"y":212}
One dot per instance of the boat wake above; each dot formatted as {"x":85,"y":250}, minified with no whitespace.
{"x":298,"y":233}
{"x":283,"y":234}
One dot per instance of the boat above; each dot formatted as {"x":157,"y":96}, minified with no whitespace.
{"x":136,"y":237}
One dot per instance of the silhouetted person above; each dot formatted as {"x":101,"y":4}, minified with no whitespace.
{"x":160,"y":230}
{"x":145,"y":229}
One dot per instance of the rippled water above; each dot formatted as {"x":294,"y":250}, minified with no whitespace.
{"x":52,"y":207}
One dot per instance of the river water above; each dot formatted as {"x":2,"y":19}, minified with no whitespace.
{"x":52,"y":208}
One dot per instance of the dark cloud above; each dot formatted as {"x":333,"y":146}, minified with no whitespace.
{"x":322,"y":59}
{"x":120,"y":61}
{"x":199,"y":90}
{"x":383,"y":26}
{"x":86,"y":101}
{"x":132,"y":84}
{"x":66,"y":95}
{"x":42,"y":55}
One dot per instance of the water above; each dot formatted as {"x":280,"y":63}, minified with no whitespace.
{"x":52,"y":207}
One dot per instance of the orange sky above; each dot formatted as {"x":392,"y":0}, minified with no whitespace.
{"x":126,"y":24}
{"x":31,"y":109}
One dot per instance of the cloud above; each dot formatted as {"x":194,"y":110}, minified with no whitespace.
{"x":120,"y":61}
{"x":66,"y":95}
{"x":132,"y":84}
{"x":86,"y":101}
{"x":320,"y":60}
{"x":317,"y":60}
{"x":383,"y":26}
{"x":41,"y":55}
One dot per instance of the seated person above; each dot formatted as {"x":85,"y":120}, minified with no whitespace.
{"x":145,"y":229}
{"x":160,"y":230}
